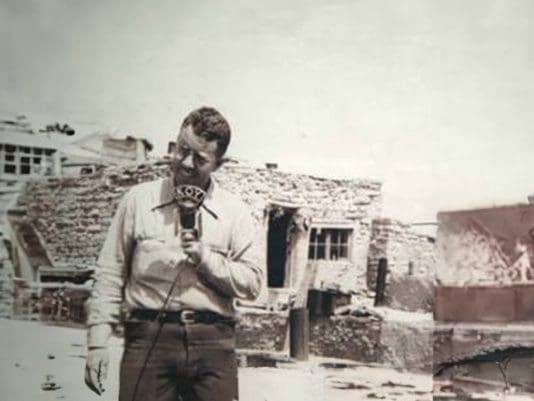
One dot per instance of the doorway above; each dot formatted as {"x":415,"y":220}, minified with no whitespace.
{"x":277,"y":246}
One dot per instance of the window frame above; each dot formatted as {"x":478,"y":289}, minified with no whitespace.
{"x":323,"y":240}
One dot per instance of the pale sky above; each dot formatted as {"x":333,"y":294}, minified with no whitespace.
{"x":433,"y":98}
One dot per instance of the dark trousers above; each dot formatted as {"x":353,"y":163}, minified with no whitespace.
{"x":193,"y":362}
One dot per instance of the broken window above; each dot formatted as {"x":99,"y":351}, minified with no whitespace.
{"x":329,"y":243}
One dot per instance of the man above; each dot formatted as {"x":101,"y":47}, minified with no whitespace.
{"x":149,"y":262}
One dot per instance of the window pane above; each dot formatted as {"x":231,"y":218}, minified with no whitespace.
{"x":334,"y":236}
{"x":10,"y":169}
{"x":344,"y":236}
{"x":10,"y":148}
{"x":320,"y":252}
{"x":25,"y":160}
{"x":10,"y":158}
{"x":343,"y":251}
{"x":37,"y":151}
{"x":322,"y":237}
{"x":25,"y":169}
{"x":311,"y":252}
{"x":334,"y":254}
{"x":313,"y":235}
{"x":25,"y":149}
{"x":36,"y":160}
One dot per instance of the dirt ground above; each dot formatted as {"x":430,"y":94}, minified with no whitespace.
{"x":32,"y":353}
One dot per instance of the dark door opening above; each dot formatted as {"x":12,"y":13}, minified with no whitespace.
{"x":277,"y":240}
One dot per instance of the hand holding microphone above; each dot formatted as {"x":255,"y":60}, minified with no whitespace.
{"x":191,"y":245}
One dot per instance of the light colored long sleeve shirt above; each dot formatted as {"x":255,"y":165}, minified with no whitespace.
{"x":142,"y":255}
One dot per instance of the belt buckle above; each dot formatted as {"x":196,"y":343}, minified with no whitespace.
{"x":187,"y":317}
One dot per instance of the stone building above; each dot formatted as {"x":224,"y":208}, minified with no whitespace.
{"x":308,"y":224}
{"x":411,"y":260}
{"x":318,"y":234}
{"x":99,"y":149}
{"x":26,"y":155}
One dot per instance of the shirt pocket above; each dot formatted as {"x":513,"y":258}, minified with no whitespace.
{"x":154,"y":253}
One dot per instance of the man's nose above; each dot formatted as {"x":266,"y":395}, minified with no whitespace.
{"x":188,"y":161}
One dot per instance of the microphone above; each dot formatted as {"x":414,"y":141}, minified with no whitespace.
{"x":189,"y":198}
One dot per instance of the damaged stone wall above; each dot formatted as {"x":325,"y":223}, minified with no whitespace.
{"x":348,"y":337}
{"x":326,"y":198}
{"x":262,"y":330}
{"x":408,"y":253}
{"x":72,"y":215}
{"x":407,"y":344}
{"x":410,"y":293}
{"x":411,"y":262}
{"x":7,"y":288}
{"x":346,"y":276}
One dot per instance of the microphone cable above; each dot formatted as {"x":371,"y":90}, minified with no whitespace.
{"x":159,"y":320}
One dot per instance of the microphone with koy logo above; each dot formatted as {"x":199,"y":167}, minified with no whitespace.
{"x":189,"y":198}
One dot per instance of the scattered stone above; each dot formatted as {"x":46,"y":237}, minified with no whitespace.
{"x":349,"y":385}
{"x":51,"y":356}
{"x":376,"y":396}
{"x":389,"y":383}
{"x":49,"y":385}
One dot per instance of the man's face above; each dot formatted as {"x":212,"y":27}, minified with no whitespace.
{"x":194,"y":159}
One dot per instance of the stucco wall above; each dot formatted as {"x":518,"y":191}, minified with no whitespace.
{"x":491,"y":246}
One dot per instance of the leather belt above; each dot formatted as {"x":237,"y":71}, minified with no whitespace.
{"x":184,"y":316}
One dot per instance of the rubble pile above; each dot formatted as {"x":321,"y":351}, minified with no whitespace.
{"x":348,"y":337}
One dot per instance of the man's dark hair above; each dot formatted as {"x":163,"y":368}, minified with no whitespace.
{"x":209,"y":124}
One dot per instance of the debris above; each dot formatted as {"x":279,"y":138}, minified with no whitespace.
{"x":343,"y":385}
{"x":51,"y":356}
{"x":389,"y":383}
{"x":376,"y":396}
{"x":49,"y":385}
{"x":356,"y":310}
